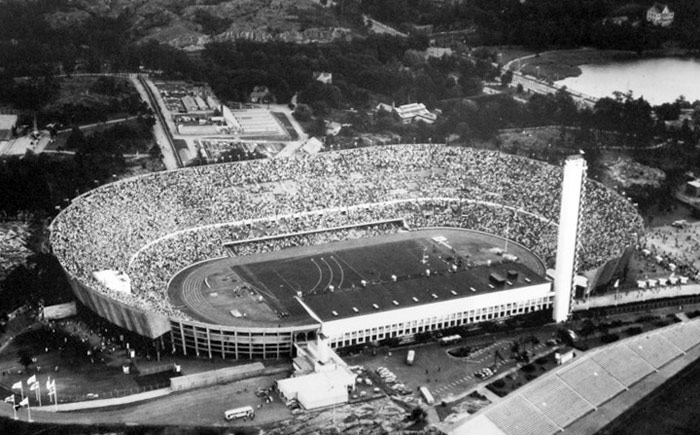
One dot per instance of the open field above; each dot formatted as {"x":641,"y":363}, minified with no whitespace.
{"x":210,"y":291}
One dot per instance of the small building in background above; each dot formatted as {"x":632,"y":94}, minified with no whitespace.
{"x":414,"y":112}
{"x":692,"y":188}
{"x":323,"y":77}
{"x":261,"y":95}
{"x":660,"y":14}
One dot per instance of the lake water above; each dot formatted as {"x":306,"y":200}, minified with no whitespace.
{"x":657,"y":80}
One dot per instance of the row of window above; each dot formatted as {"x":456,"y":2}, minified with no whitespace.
{"x":201,"y":342}
{"x":442,"y":322}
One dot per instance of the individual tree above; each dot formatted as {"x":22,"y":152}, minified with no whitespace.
{"x":25,"y":358}
{"x":418,"y":414}
{"x":507,"y":78}
{"x":303,"y":112}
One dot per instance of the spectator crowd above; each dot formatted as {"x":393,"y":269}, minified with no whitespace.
{"x":152,"y":226}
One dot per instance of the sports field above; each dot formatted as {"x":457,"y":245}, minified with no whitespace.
{"x":261,"y":289}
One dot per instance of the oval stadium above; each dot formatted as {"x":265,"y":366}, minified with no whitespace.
{"x":243,"y":260}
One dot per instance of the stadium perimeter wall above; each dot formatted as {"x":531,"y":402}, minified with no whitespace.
{"x":237,"y":342}
{"x":214,"y":377}
{"x":145,"y":323}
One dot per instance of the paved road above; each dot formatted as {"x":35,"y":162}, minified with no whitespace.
{"x":204,"y":407}
{"x":170,"y":159}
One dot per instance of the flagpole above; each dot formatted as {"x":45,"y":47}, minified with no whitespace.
{"x":14,"y":404}
{"x":38,"y":392}
{"x":29,"y":411}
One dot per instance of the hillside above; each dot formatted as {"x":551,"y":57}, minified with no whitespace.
{"x":190,"y":24}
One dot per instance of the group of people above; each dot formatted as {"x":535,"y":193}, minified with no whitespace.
{"x":152,"y":226}
{"x":675,"y":249}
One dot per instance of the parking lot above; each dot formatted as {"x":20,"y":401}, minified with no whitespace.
{"x":444,"y":375}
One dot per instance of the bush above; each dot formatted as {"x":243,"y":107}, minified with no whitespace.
{"x":693,"y":314}
{"x":609,"y":338}
{"x":528,"y":368}
{"x":646,"y":318}
{"x":500,"y":383}
{"x":541,"y":360}
{"x":460,"y":352}
{"x":633,"y":330}
{"x":673,"y":318}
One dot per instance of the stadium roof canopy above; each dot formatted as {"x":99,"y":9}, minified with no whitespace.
{"x":419,"y":290}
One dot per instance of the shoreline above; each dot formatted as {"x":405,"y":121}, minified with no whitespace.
{"x":557,"y":65}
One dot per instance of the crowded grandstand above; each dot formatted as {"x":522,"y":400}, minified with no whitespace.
{"x":150,"y":227}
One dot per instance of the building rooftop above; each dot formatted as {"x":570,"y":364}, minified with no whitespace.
{"x":409,"y":291}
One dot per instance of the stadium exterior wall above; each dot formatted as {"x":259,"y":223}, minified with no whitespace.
{"x":439,"y":315}
{"x":148,"y":324}
{"x":216,"y":377}
{"x":236,"y":342}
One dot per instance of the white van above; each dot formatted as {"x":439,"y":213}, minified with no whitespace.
{"x":242,"y":412}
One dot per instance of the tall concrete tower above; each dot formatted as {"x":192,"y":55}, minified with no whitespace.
{"x":572,"y":190}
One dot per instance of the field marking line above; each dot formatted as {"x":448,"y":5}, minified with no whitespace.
{"x":352,"y":268}
{"x":330,"y":281}
{"x":286,"y":282}
{"x":342,"y":274}
{"x":320,"y":275}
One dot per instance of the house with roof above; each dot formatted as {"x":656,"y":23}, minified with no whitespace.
{"x":660,"y":15}
{"x":409,"y":113}
{"x":414,"y":112}
{"x":324,"y":77}
{"x":261,"y":95}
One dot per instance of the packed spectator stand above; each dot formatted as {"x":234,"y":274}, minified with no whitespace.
{"x":152,"y":226}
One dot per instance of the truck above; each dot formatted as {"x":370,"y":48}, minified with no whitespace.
{"x":450,"y":339}
{"x":243,"y":412}
{"x":427,"y":397}
{"x":410,"y":356}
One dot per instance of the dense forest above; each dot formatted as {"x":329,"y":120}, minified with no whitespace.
{"x":545,"y":23}
{"x":365,"y":71}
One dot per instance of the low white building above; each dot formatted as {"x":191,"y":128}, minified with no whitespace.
{"x":428,"y":303}
{"x":321,"y":378}
{"x":414,"y":112}
{"x":318,"y":390}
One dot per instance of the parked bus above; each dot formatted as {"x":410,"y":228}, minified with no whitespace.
{"x":410,"y":356}
{"x":242,"y":412}
{"x":450,"y":339}
{"x":426,"y":395}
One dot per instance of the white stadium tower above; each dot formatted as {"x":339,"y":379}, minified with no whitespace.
{"x":569,"y":218}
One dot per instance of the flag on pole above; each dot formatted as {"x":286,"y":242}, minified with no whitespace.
{"x":48,"y":383}
{"x":51,"y":387}
{"x":24,"y":402}
{"x":34,"y":386}
{"x":31,"y":380}
{"x":10,"y":399}
{"x":17,"y":385}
